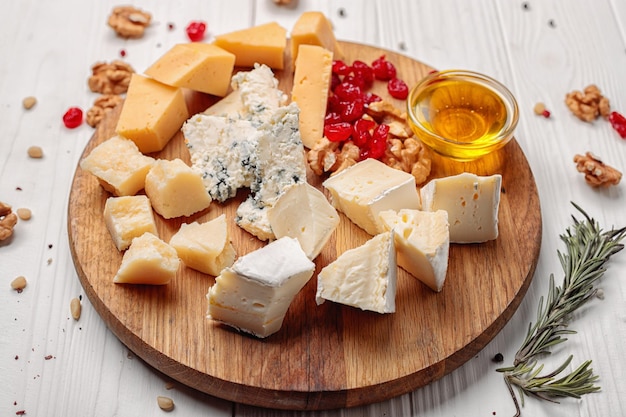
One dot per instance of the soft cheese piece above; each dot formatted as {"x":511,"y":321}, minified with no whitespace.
{"x":254,"y":294}
{"x":304,"y":213}
{"x":175,"y":189}
{"x":119,"y":166}
{"x":263,"y":44}
{"x":151,"y":114}
{"x":148,"y":260}
{"x":259,"y":92}
{"x":313,"y":28}
{"x":369,"y":187}
{"x":311,"y":83}
{"x":422,"y":242}
{"x":472,"y":203}
{"x":363,"y":277}
{"x":198,"y":66}
{"x":205,"y":247}
{"x":280,"y":163}
{"x":128,"y":217}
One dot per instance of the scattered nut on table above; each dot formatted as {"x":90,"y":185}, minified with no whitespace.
{"x":24,"y":213}
{"x":588,"y":104}
{"x":19,"y":283}
{"x":8,"y":220}
{"x":35,"y":152}
{"x":165,"y":403}
{"x":129,"y":22}
{"x":29,"y":102}
{"x":101,"y":106}
{"x":75,"y":308}
{"x":110,"y":78}
{"x":597,"y":174}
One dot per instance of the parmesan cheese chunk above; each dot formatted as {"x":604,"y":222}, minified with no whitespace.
{"x":148,"y":260}
{"x":128,"y":217}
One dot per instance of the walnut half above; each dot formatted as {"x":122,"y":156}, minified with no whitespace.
{"x":110,"y":78}
{"x":129,"y":22}
{"x":101,"y":106}
{"x":589,"y":104}
{"x":8,"y":220}
{"x":597,"y":174}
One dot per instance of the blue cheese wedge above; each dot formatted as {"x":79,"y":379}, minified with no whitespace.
{"x":365,"y":189}
{"x":422,"y":242}
{"x":363,"y":277}
{"x":304,"y":213}
{"x":472,"y":203}
{"x":255,"y":293}
{"x":259,"y":93}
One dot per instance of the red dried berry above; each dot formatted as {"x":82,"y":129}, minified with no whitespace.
{"x":73,"y":117}
{"x":332,"y":118}
{"x":398,"y":88}
{"x":338,"y":132}
{"x":546,"y":114}
{"x":363,"y":71}
{"x":362,"y":134}
{"x":195,"y":31}
{"x":383,"y":69}
{"x":340,"y":67}
{"x":351,"y":110}
{"x":619,"y":123}
{"x":348,"y":92}
{"x":334,"y":81}
{"x":371,"y":98}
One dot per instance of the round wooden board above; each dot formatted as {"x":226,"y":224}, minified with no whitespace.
{"x":328,"y":356}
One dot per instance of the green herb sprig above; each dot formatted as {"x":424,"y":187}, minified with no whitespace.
{"x":588,"y":249}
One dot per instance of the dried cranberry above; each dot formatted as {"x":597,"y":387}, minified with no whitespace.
{"x":73,"y":117}
{"x":354,"y":80}
{"x":383,"y":69}
{"x":332,"y":118}
{"x":340,"y":67}
{"x":398,"y":89}
{"x":371,"y":98}
{"x":362,"y":134}
{"x":377,"y":146}
{"x":334,"y":81}
{"x":333,"y":105}
{"x":338,"y":132}
{"x":351,"y":110}
{"x":348,"y":92}
{"x":546,"y":114}
{"x":363,"y":71}
{"x":195,"y":31}
{"x":619,"y":123}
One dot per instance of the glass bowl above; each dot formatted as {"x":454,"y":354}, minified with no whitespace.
{"x":461,"y":114}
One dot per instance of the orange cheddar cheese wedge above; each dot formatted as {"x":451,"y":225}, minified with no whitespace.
{"x":313,"y":28}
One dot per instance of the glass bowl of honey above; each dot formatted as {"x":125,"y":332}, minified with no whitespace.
{"x":462,"y":115}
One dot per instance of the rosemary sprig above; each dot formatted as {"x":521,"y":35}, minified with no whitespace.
{"x":588,"y":249}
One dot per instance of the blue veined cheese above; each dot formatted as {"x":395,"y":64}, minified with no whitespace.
{"x":280,"y":164}
{"x":223,"y":151}
{"x":259,"y":93}
{"x":363,"y":277}
{"x":472,"y":203}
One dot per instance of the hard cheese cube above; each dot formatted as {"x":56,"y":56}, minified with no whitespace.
{"x":119,"y":166}
{"x":422,"y":242}
{"x":472,"y":203}
{"x":311,"y":82}
{"x":365,"y":189}
{"x":152,"y":113}
{"x":175,"y":189}
{"x":205,"y":247}
{"x":263,"y":44}
{"x":302,"y":212}
{"x":148,"y":260}
{"x":363,"y":277}
{"x":313,"y":28}
{"x":198,"y":66}
{"x":254,"y":294}
{"x":128,"y":217}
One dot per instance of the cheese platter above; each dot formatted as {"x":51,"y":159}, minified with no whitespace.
{"x":324,"y":356}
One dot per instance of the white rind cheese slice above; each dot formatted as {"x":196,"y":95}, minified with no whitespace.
{"x":254,"y":294}
{"x":365,"y":189}
{"x":304,"y":213}
{"x":363,"y":277}
{"x":422,"y":243}
{"x":472,"y":203}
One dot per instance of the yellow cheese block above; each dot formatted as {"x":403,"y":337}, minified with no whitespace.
{"x":175,"y":190}
{"x":152,"y":113}
{"x":313,"y":28}
{"x":198,"y":66}
{"x":263,"y":44}
{"x":128,"y":217}
{"x":148,"y":260}
{"x":119,"y":166}
{"x":310,"y":90}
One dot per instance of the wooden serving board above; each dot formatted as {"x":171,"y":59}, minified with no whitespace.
{"x":327,"y":356}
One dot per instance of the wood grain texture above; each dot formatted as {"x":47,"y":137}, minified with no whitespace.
{"x":326,"y":356}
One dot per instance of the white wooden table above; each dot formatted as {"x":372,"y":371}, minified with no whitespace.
{"x":51,"y":365}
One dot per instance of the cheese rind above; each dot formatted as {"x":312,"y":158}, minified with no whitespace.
{"x":255,"y":293}
{"x":263,"y":44}
{"x":198,"y":66}
{"x":472,"y":203}
{"x":313,"y":28}
{"x":151,"y":114}
{"x":175,"y":190}
{"x":311,"y":82}
{"x":205,"y":247}
{"x":422,"y":242}
{"x":119,"y":166}
{"x":128,"y":217}
{"x":365,"y":189}
{"x":363,"y":277}
{"x":304,"y":213}
{"x":148,"y":260}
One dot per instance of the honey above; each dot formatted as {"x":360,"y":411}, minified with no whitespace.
{"x":460,"y":117}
